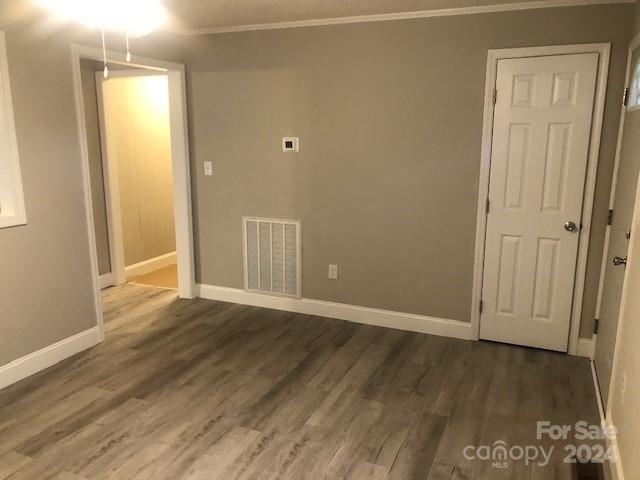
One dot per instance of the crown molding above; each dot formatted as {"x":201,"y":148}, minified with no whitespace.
{"x":386,"y":17}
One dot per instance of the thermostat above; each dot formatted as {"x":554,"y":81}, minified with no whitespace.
{"x":290,"y":144}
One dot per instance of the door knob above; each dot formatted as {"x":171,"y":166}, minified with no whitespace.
{"x":617,"y":261}
{"x":570,"y":227}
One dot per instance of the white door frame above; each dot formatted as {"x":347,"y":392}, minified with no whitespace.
{"x":616,"y":468}
{"x":603,"y":49}
{"x":635,"y":43}
{"x":180,"y":164}
{"x":111,"y":198}
{"x":606,"y":410}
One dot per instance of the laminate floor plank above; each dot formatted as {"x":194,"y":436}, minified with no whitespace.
{"x":11,"y":462}
{"x":196,"y":389}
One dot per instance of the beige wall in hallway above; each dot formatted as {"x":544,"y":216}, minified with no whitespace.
{"x":45,"y":271}
{"x":89,"y":95}
{"x":136,"y":113}
{"x":389,"y":117}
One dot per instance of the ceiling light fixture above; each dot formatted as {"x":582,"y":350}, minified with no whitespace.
{"x":134,"y":18}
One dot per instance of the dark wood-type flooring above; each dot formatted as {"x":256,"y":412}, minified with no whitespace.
{"x":209,"y":390}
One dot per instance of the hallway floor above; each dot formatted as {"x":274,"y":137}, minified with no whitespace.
{"x":208,"y":390}
{"x":165,"y":277}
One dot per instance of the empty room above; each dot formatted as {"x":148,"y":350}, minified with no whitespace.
{"x":300,"y":240}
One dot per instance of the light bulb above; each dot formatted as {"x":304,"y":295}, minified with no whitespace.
{"x":137,"y":17}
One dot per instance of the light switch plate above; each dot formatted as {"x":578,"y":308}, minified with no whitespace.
{"x":208,"y":168}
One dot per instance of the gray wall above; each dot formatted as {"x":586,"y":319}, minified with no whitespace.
{"x":89,"y":93}
{"x":390,"y":120}
{"x":45,"y":277}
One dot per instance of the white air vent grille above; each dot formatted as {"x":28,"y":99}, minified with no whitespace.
{"x":272,"y":256}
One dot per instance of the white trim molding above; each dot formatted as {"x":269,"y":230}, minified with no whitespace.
{"x":147,"y":266}
{"x":387,"y":17}
{"x":615,"y":467}
{"x":586,"y":347}
{"x":107,"y":280}
{"x":12,"y":210}
{"x":111,"y":193}
{"x":603,"y":50}
{"x":44,"y":358}
{"x":341,"y":311}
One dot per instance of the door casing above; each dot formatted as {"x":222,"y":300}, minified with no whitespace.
{"x":180,"y":164}
{"x":633,"y":46}
{"x":603,"y":50}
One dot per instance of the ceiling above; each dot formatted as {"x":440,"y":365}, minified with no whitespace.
{"x":202,"y":16}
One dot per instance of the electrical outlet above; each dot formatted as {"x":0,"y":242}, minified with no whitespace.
{"x":333,"y":272}
{"x":208,"y":168}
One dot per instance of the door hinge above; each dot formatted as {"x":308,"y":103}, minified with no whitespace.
{"x":596,"y":326}
{"x":494,"y":99}
{"x":488,"y":205}
{"x":610,"y":217}
{"x":481,"y":305}
{"x":625,"y":97}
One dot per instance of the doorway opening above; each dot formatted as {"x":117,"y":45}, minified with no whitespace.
{"x":133,"y":133}
{"x":136,"y":173}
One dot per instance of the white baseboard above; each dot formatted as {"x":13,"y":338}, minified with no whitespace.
{"x":615,"y":468}
{"x":150,"y":265}
{"x":107,"y":280}
{"x":341,"y":311}
{"x":34,"y":362}
{"x":586,"y":347}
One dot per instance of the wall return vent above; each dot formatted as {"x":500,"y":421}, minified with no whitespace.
{"x":272,"y":256}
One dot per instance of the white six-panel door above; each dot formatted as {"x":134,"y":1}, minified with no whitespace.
{"x":541,"y":132}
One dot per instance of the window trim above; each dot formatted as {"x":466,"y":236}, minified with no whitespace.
{"x":12,"y":209}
